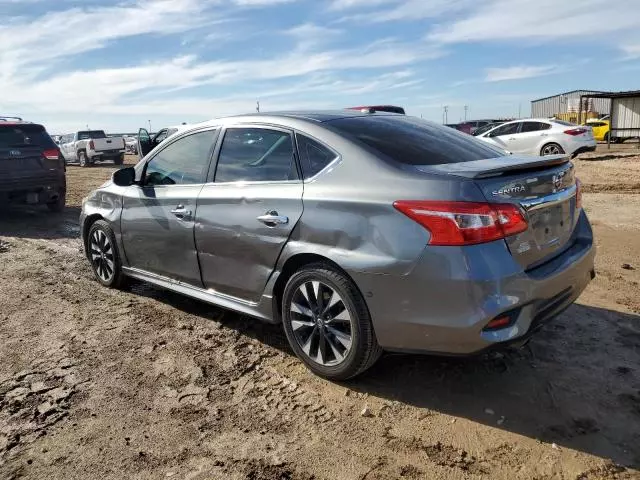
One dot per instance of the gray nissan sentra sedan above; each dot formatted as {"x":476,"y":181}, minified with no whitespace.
{"x":360,"y":232}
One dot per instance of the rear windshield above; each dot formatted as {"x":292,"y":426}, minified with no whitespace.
{"x":412,"y":141}
{"x":91,"y":134}
{"x":562,"y":122}
{"x":24,"y":135}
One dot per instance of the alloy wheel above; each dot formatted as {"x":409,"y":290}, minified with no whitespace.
{"x":321,"y":323}
{"x":102,"y":255}
{"x":551,"y":150}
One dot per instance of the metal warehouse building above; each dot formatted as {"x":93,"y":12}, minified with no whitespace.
{"x":624,"y":111}
{"x":566,"y":105}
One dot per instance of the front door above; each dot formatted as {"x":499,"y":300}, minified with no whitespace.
{"x":246,"y":215}
{"x":158,"y":214}
{"x":504,"y":136}
{"x":145,"y":145}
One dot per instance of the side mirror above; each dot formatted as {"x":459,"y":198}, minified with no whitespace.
{"x":124,"y":177}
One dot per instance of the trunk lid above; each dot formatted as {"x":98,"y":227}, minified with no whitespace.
{"x":543,"y":187}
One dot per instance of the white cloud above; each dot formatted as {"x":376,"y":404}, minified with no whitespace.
{"x":631,"y":51}
{"x":540,"y":20}
{"x":260,"y":3}
{"x":411,"y":10}
{"x":309,"y":35}
{"x":350,"y":4}
{"x":519,"y":72}
{"x":35,"y":43}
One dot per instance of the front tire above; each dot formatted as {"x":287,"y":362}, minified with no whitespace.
{"x":551,"y":149}
{"x":327,"y":323}
{"x":102,"y":252}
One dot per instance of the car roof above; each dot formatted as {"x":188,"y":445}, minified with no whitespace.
{"x":316,"y":116}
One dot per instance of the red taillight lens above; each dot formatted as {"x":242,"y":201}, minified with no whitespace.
{"x":575,"y":131}
{"x":92,"y":146}
{"x":578,"y":194}
{"x":51,"y":154}
{"x":464,"y":223}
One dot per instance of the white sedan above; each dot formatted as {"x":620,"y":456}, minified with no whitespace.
{"x":537,"y":136}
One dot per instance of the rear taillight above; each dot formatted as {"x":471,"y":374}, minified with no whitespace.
{"x":575,"y":131}
{"x":92,"y":146}
{"x":124,"y":143}
{"x":51,"y":154}
{"x":578,"y":194}
{"x":464,"y":223}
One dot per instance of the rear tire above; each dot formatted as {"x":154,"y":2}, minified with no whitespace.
{"x":83,"y":159}
{"x":551,"y":149}
{"x":102,"y":252}
{"x":333,"y":334}
{"x":119,"y":160}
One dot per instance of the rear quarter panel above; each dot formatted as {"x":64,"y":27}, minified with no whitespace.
{"x":349,"y":215}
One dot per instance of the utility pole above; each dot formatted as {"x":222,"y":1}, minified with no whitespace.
{"x":258,"y":106}
{"x":149,"y":125}
{"x":445,"y":114}
{"x":466,"y":109}
{"x":519,"y":110}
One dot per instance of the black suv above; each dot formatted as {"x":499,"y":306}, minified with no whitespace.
{"x":32,"y":170}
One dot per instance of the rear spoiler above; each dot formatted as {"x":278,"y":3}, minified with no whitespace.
{"x":494,"y":167}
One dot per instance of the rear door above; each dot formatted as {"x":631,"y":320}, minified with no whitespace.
{"x":158,"y":215}
{"x":246,"y":214}
{"x":530,"y":137}
{"x":28,"y":156}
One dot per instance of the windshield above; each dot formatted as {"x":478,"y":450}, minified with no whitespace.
{"x":412,"y":141}
{"x":91,"y":134}
{"x":25,"y":135}
{"x":486,"y":128}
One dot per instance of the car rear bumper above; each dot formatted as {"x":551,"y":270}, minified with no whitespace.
{"x":106,"y":155}
{"x":40,"y":189}
{"x":444,"y":304}
{"x":585,"y":149}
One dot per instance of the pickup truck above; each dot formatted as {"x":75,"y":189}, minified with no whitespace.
{"x":89,"y":146}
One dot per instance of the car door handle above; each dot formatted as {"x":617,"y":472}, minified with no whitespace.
{"x":181,"y":212}
{"x":271,"y":219}
{"x":512,"y":138}
{"x":544,"y":134}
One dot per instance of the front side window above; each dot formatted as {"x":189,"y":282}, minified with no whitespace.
{"x":313,"y":155}
{"x":508,"y":129}
{"x":256,"y":155}
{"x":183,"y":162}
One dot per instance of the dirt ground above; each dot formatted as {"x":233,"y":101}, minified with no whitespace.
{"x":144,"y":384}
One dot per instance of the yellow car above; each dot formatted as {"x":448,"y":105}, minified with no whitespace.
{"x":600,"y":129}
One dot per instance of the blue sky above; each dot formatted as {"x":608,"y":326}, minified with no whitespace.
{"x":117,"y":64}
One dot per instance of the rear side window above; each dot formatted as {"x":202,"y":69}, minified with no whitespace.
{"x":313,"y":155}
{"x":256,"y":155}
{"x":534,"y":127}
{"x":24,"y":136}
{"x":413,"y":141}
{"x":86,"y":135}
